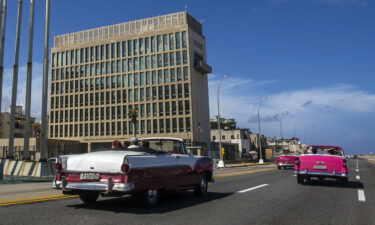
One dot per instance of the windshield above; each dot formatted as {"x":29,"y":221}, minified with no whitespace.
{"x":170,"y":146}
{"x":325,"y":151}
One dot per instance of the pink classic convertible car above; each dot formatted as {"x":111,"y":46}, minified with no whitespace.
{"x":155,"y":165}
{"x":322,"y":162}
{"x":285,"y":161}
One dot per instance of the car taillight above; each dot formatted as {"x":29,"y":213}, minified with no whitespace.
{"x":58,"y":167}
{"x":125,"y":168}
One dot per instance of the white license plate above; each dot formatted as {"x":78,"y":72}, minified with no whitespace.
{"x":320,"y":167}
{"x":89,"y":176}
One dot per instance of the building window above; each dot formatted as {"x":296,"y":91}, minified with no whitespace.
{"x":148,"y":126}
{"x":184,"y":42}
{"x":188,"y":127}
{"x":187,"y":107}
{"x":161,"y":126}
{"x":147,"y":45}
{"x":172,"y":59}
{"x":129,"y":48}
{"x":155,"y":126}
{"x":178,"y":42}
{"x":153,"y":44}
{"x":174,"y":125}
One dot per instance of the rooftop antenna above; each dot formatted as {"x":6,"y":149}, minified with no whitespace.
{"x":186,"y":8}
{"x":202,"y":21}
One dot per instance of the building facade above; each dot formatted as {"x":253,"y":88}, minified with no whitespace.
{"x":239,"y":138}
{"x":19,"y":128}
{"x":155,"y":67}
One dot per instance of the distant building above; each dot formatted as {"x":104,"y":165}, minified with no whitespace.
{"x":19,"y":124}
{"x":254,"y":144}
{"x":225,"y":124}
{"x":235,"y":141}
{"x":290,"y":146}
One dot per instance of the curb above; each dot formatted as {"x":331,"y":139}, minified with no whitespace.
{"x":247,"y":165}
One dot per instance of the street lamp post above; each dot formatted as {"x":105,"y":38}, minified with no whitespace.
{"x":221,"y":162}
{"x":281,"y":129}
{"x":294,"y":130}
{"x":281,"y":123}
{"x":259,"y":135}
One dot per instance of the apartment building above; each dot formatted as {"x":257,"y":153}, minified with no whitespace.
{"x":156,"y":67}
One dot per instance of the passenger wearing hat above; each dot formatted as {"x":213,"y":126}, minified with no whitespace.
{"x":134,"y":143}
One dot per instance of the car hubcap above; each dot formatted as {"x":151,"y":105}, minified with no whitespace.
{"x":203,"y":184}
{"x":152,"y":195}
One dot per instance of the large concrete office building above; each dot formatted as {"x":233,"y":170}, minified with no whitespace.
{"x":157,"y":65}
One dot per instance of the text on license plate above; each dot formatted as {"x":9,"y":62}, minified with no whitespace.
{"x":89,"y":176}
{"x":320,"y":167}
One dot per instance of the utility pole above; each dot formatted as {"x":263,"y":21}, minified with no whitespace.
{"x":15,"y":83}
{"x":43,"y":133}
{"x":2,"y":43}
{"x":259,"y":134}
{"x":26,"y":139}
{"x":221,"y":160}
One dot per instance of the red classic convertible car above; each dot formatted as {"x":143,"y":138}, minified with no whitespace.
{"x":157,"y":164}
{"x":285,"y":161}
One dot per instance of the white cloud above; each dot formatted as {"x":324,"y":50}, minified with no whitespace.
{"x":36,"y":93}
{"x":330,"y":114}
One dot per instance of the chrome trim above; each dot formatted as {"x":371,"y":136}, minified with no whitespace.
{"x":334,"y":174}
{"x":286,"y":164}
{"x":99,"y":186}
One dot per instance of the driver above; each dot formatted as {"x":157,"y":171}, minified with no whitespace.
{"x":134,"y":143}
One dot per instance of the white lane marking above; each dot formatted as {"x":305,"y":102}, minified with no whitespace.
{"x":294,"y":175}
{"x":361,"y":196}
{"x":358,"y":177}
{"x":253,"y":188}
{"x":357,"y":164}
{"x":357,"y":170}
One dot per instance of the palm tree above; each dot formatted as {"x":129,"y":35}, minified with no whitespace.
{"x":37,"y":129}
{"x":133,"y":115}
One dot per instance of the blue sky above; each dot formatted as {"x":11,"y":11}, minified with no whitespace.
{"x":312,"y":58}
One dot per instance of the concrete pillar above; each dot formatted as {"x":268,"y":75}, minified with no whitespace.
{"x":89,"y":147}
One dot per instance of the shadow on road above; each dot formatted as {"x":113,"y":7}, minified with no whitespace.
{"x":334,"y":183}
{"x":169,"y":202}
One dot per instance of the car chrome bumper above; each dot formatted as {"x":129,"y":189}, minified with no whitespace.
{"x":286,"y":164}
{"x":321,"y":173}
{"x":93,"y":186}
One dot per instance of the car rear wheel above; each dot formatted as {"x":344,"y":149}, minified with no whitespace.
{"x":151,"y":198}
{"x":89,"y":197}
{"x":201,"y":188}
{"x":300,"y":179}
{"x":279,"y":167}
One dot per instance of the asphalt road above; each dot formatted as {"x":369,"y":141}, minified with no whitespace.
{"x":248,"y":196}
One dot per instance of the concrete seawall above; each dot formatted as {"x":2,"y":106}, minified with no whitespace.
{"x":25,"y":169}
